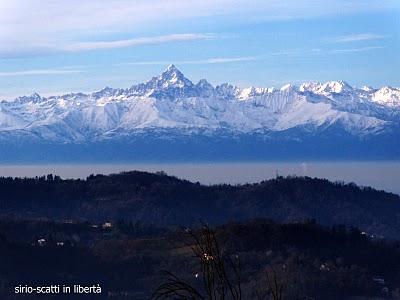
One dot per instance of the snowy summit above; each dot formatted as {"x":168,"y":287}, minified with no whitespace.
{"x":170,"y":101}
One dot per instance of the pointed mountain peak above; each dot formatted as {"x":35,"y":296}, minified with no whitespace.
{"x":171,"y":67}
{"x":227,"y":91}
{"x":172,"y":71}
{"x":367,"y":88}
{"x":107,"y":92}
{"x":35,"y":97}
{"x":203,"y":83}
{"x":336,"y":87}
{"x":310,"y":86}
{"x":288,"y":88}
{"x":173,"y":77}
{"x":169,"y":84}
{"x":204,"y":88}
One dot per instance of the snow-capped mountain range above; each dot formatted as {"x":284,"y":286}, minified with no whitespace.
{"x":171,"y":101}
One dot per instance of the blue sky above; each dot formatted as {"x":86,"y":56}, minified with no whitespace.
{"x":58,"y":46}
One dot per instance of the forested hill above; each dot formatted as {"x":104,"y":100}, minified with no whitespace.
{"x":165,"y":200}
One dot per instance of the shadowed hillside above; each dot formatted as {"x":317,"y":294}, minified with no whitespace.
{"x":127,"y":260}
{"x":167,"y":201}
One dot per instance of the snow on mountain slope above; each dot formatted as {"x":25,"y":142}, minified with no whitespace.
{"x":170,"y":100}
{"x":387,"y":96}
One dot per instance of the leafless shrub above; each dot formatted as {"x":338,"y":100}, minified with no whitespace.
{"x":220,"y":272}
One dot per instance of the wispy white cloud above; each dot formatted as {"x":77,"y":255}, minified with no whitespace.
{"x":223,"y":60}
{"x":295,"y":52}
{"x":320,"y":51}
{"x":37,"y":49}
{"x":29,"y":26}
{"x":214,"y":60}
{"x":82,"y":46}
{"x":356,"y":38}
{"x":271,"y":55}
{"x":39,"y":72}
{"x":361,"y":49}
